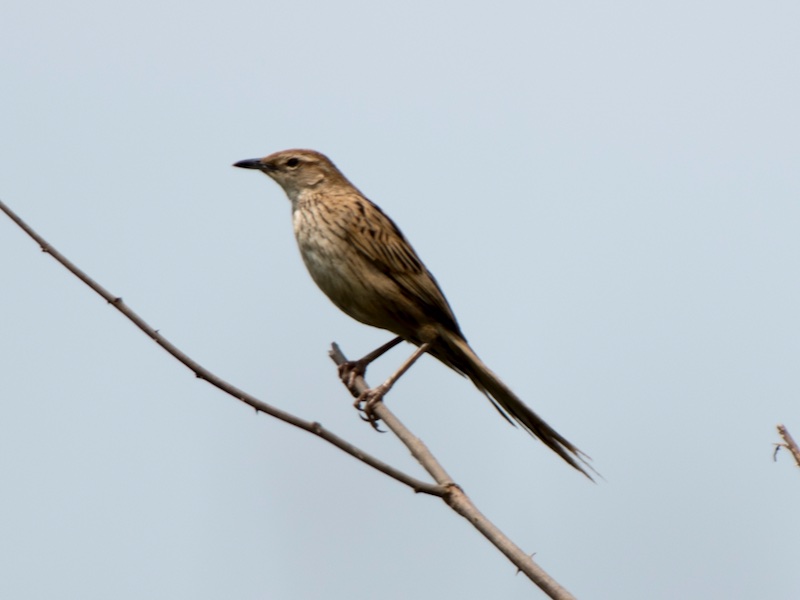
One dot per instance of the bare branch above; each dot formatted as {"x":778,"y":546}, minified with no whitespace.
{"x":203,"y":373}
{"x":449,"y":491}
{"x":788,"y":443}
{"x":455,"y":497}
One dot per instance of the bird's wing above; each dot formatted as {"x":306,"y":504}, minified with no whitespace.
{"x":382,"y":244}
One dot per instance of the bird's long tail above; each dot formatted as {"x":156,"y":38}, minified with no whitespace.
{"x":455,"y":352}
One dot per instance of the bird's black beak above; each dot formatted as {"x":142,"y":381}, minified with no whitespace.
{"x":250,"y":163}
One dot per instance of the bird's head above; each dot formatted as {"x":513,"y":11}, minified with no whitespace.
{"x":296,"y":171}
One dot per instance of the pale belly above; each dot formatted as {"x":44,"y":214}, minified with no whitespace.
{"x":346,"y":278}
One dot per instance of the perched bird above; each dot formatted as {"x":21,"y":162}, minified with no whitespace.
{"x":365,"y":265}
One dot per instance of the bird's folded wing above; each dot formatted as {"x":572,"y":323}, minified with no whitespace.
{"x":382,"y":244}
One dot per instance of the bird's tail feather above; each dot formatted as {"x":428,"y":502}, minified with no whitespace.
{"x":456,"y":353}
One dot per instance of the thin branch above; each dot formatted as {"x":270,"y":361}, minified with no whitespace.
{"x":455,"y":497}
{"x":203,"y":373}
{"x":449,"y":491}
{"x":788,"y":443}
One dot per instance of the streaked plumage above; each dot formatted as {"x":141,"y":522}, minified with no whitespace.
{"x":360,"y":259}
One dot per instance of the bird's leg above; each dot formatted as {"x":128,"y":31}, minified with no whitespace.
{"x":367,"y":400}
{"x":349,"y":370}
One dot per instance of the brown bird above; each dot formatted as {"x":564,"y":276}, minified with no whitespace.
{"x":365,"y":265}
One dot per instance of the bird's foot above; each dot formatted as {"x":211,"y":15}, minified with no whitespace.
{"x":366,"y":403}
{"x":351,"y":370}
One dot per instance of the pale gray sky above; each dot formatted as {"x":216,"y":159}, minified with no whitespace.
{"x":607,"y":193}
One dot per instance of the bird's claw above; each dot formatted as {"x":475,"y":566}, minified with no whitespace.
{"x":351,"y":370}
{"x":365,"y":405}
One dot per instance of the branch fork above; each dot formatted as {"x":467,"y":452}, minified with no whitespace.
{"x":444,"y":486}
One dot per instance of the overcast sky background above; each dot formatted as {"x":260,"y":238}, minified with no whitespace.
{"x":609,"y":195}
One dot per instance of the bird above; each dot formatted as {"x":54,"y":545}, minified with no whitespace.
{"x":361,"y":260}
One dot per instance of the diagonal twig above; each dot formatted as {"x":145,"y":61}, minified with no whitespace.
{"x":203,"y":373}
{"x":455,"y":496}
{"x":445,"y":488}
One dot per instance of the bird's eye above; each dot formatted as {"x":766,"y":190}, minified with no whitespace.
{"x":292,"y":162}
